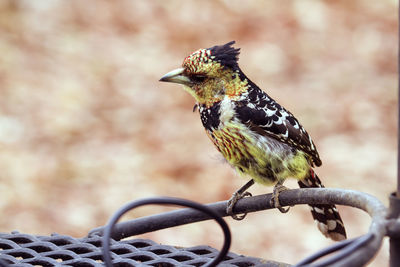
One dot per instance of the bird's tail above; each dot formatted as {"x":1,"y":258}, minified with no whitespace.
{"x":327,"y":217}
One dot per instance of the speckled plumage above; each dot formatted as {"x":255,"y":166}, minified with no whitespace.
{"x":255,"y":134}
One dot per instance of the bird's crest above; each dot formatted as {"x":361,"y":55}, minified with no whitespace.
{"x":226,"y":55}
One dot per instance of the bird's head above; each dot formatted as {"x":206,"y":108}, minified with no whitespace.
{"x":210,"y":74}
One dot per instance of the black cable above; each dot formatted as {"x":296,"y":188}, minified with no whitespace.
{"x":166,"y":201}
{"x":346,"y":246}
{"x":353,"y":246}
{"x":324,"y":252}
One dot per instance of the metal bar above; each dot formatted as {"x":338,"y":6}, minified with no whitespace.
{"x":394,"y":239}
{"x":398,"y":107}
{"x":160,"y":221}
{"x":394,"y":198}
{"x":352,"y":198}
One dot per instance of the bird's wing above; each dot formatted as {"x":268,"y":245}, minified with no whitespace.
{"x":268,"y":118}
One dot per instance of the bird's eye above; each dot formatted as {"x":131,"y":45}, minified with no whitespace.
{"x":198,"y":78}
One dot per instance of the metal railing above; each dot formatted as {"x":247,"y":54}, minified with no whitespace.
{"x":104,"y":245}
{"x":353,"y":252}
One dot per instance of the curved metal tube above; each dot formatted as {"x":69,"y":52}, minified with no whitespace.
{"x":360,"y":254}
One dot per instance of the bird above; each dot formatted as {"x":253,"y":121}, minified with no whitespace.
{"x":257,"y":136}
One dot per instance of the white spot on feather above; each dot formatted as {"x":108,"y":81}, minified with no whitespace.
{"x":322,"y":227}
{"x":226,"y":110}
{"x":318,"y":210}
{"x":270,"y":112}
{"x":331,"y":225}
{"x":251,"y":105}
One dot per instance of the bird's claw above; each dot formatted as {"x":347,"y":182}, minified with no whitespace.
{"x":278,"y":188}
{"x":231,"y":203}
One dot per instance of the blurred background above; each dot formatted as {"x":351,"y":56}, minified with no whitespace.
{"x":85,"y":126}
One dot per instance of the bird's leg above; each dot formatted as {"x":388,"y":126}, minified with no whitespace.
{"x":239,"y":194}
{"x":278,"y":188}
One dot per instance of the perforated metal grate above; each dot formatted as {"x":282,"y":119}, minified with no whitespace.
{"x":60,"y":250}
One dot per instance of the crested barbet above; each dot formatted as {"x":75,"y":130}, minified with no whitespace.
{"x":256,"y":135}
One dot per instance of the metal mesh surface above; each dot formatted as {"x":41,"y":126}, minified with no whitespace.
{"x":59,"y":250}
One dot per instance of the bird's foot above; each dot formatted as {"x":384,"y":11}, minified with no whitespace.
{"x":278,"y":188}
{"x":232,"y":201}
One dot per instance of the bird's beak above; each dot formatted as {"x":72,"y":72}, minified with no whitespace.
{"x":176,"y":76}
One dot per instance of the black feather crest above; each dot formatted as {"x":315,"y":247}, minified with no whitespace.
{"x":226,"y":55}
